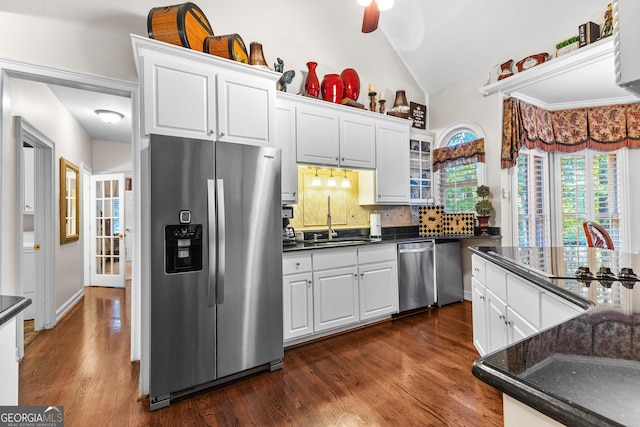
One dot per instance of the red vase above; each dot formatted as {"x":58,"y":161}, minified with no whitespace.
{"x":312,"y":85}
{"x":351,"y":82}
{"x":332,"y":88}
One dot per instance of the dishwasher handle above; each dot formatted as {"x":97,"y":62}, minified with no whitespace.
{"x":402,"y":249}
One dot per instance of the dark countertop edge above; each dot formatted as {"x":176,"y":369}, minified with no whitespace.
{"x":13,"y":311}
{"x":541,"y":281}
{"x":364,"y":242}
{"x":562,"y":411}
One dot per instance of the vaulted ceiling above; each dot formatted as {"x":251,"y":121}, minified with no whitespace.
{"x":444,"y":42}
{"x":440,"y":43}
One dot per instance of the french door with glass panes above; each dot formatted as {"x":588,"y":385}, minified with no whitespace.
{"x":107,"y":230}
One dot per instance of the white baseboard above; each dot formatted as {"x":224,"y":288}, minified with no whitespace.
{"x":467,"y":296}
{"x":68,"y":305}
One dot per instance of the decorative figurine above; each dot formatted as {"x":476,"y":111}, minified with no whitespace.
{"x":607,"y":30}
{"x":287,"y":76}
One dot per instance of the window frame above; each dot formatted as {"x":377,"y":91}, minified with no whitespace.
{"x":443,"y":140}
{"x":554,"y":202}
{"x":549,"y":230}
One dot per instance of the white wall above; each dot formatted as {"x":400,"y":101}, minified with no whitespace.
{"x":462,"y":102}
{"x":111,"y":157}
{"x":40,"y":107}
{"x":327,"y":32}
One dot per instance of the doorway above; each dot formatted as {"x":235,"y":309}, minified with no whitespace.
{"x":108,"y":253}
{"x":22,"y":71}
{"x":35,"y":232}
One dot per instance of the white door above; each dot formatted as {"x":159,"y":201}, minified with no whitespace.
{"x":107,"y":230}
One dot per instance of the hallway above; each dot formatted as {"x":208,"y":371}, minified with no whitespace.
{"x":412,"y":371}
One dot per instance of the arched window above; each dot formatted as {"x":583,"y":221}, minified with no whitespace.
{"x":457,"y":184}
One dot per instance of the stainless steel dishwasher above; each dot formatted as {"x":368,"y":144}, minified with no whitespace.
{"x":416,"y":276}
{"x":429,"y":273}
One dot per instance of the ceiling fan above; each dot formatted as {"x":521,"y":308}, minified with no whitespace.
{"x":372,"y":10}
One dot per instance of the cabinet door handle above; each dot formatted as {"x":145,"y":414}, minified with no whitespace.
{"x":210,"y":132}
{"x":221,"y":134}
{"x":355,"y":275}
{"x":293,"y":194}
{"x":297,"y":264}
{"x":501,"y":317}
{"x":508,"y":322}
{"x":337,"y":158}
{"x":343,"y":159}
{"x":308,"y":283}
{"x":362,"y":275}
{"x":482,"y":297}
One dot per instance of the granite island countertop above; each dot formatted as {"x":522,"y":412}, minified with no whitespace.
{"x":585,"y":371}
{"x":10,"y":306}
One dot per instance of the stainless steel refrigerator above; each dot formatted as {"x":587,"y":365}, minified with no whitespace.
{"x":216,"y":264}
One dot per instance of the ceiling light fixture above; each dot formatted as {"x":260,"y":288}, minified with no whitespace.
{"x":315,"y":182}
{"x":109,"y":116}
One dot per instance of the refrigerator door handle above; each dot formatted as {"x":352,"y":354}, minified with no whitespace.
{"x":213,"y":250}
{"x":220,"y":265}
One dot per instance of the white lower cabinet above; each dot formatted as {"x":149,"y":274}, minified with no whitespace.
{"x":496,"y":321}
{"x":507,"y":308}
{"x":331,"y":290}
{"x":335,"y":298}
{"x":297,"y":294}
{"x":298,"y":305}
{"x":378,"y":290}
{"x":479,"y":313}
{"x":555,"y":310}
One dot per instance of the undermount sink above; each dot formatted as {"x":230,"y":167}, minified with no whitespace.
{"x":338,"y":242}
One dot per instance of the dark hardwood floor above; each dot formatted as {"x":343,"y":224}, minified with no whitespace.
{"x":412,"y":371}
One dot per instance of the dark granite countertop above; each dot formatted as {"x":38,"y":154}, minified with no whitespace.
{"x":585,"y":371}
{"x":10,"y":306}
{"x":359,"y":237}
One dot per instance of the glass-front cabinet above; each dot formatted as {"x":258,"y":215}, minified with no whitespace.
{"x":420,"y":172}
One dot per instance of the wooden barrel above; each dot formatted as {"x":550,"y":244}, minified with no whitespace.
{"x":228,"y":46}
{"x":182,"y":25}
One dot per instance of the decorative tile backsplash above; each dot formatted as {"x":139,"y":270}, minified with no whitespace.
{"x":433,"y":221}
{"x":346,"y":212}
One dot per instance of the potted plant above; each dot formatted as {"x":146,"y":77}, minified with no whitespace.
{"x":484,"y":209}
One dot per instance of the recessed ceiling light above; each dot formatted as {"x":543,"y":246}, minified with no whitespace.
{"x":109,"y":116}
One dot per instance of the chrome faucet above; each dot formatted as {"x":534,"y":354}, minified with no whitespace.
{"x":330,"y":233}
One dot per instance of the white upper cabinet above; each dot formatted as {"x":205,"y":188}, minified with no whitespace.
{"x":246,"y":109}
{"x":389,"y":184}
{"x":192,"y":94}
{"x":331,"y":135}
{"x":357,"y":141}
{"x":286,"y":141}
{"x":179,"y":98}
{"x":318,"y":135}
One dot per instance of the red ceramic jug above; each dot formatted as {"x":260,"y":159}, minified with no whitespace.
{"x":332,"y":88}
{"x":351,"y":82}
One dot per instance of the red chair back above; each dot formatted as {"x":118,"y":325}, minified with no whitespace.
{"x":597,"y":236}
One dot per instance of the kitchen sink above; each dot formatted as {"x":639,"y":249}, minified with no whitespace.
{"x":340,"y":243}
{"x":337,"y":242}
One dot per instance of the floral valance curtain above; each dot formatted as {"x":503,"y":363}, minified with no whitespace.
{"x":461,"y":154}
{"x":605,"y":128}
